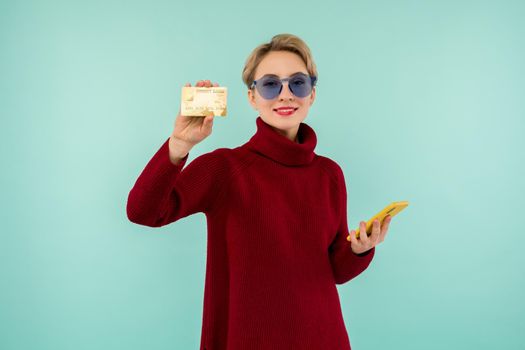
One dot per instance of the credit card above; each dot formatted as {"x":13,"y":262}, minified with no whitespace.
{"x":203,"y":101}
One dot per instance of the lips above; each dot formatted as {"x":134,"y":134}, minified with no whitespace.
{"x":285,"y":109}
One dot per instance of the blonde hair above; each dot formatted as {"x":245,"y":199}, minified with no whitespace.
{"x":280,"y":42}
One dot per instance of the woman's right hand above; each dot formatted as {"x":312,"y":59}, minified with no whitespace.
{"x":189,"y":131}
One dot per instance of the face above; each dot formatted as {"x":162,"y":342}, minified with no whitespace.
{"x":282,"y":64}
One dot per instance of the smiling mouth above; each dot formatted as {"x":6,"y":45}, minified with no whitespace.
{"x":286,"y":109}
{"x":285,"y":112}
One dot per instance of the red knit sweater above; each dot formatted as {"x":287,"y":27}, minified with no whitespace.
{"x":277,"y":225}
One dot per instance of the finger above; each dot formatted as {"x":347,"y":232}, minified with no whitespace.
{"x":376,"y":230}
{"x":363,"y":236}
{"x":353,"y":239}
{"x":384,"y":228}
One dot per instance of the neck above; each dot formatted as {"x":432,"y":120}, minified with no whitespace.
{"x":290,"y":134}
{"x":274,"y":144}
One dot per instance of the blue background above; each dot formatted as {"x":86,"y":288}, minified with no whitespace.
{"x":416,"y":100}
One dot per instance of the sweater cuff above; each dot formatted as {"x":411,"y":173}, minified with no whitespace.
{"x":364,"y":254}
{"x":165,"y":158}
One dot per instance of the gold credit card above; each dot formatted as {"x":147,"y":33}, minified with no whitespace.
{"x":203,"y":101}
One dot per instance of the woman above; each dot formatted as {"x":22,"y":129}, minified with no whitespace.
{"x":275,"y":210}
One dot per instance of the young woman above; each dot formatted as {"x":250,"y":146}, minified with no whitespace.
{"x":276,"y":214}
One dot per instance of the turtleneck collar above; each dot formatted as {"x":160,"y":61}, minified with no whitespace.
{"x":278,"y":147}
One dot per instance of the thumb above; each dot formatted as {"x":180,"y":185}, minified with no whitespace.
{"x":208,"y":120}
{"x":207,"y":123}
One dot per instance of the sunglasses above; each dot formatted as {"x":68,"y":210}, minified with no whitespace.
{"x":270,"y":85}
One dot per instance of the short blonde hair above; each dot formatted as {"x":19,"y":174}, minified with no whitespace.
{"x":280,"y":42}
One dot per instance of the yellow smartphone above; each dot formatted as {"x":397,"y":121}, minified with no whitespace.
{"x":392,"y":209}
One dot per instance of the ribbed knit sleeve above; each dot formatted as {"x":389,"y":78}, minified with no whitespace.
{"x":165,"y":192}
{"x":345,"y":263}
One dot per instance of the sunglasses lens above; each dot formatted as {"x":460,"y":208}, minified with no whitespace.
{"x":269,"y":87}
{"x":301,"y":85}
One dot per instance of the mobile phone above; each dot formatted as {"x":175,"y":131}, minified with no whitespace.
{"x":392,"y":209}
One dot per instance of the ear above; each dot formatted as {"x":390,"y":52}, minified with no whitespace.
{"x":312,"y":96}
{"x":251,"y":99}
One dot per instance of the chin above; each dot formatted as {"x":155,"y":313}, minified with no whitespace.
{"x":276,"y":120}
{"x":281,"y":123}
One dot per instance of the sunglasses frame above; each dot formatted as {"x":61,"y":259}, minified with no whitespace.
{"x":313,"y":80}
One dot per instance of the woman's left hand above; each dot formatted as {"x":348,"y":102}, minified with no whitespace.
{"x":365,"y":242}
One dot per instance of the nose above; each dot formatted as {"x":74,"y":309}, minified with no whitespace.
{"x":285,"y":92}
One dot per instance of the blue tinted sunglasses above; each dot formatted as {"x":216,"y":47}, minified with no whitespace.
{"x":270,"y":85}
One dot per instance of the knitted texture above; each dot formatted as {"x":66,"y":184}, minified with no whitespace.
{"x":276,"y":217}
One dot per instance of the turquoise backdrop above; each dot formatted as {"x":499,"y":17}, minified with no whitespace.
{"x":416,"y":100}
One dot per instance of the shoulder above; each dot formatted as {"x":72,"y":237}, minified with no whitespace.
{"x":223,"y":159}
{"x":332,"y":168}
{"x":218,"y":158}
